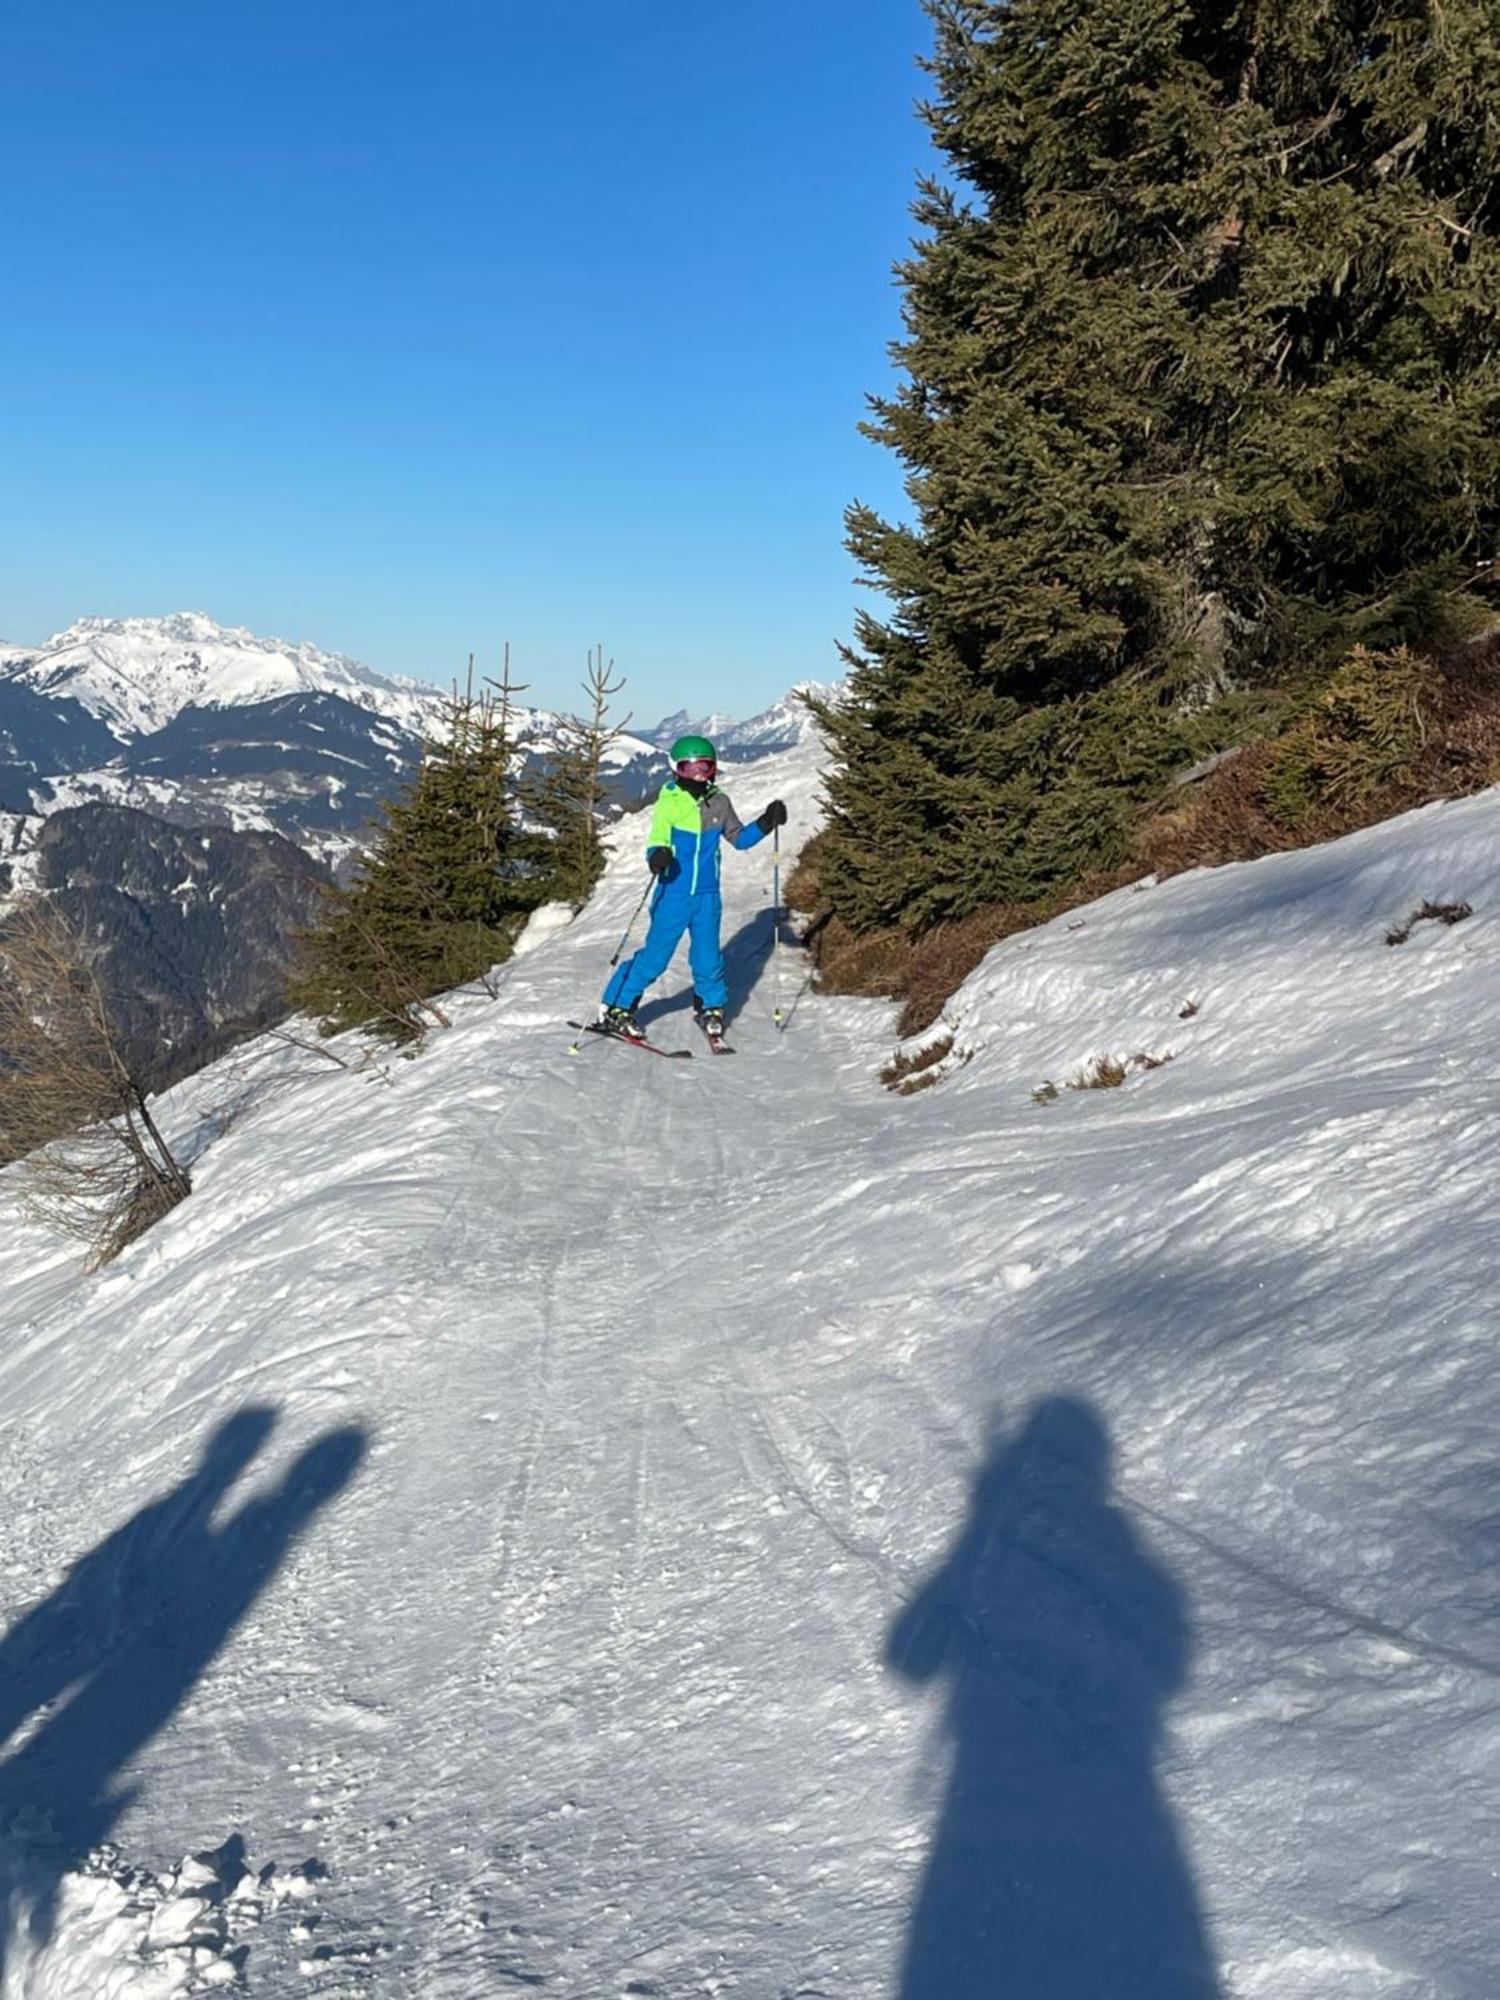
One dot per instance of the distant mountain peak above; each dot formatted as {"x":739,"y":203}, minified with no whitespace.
{"x":186,"y":627}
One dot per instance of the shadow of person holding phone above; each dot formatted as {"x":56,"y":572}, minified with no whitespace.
{"x":1056,"y":1872}
{"x":92,"y":1673}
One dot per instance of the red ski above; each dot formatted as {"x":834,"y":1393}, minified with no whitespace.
{"x":631,"y":1041}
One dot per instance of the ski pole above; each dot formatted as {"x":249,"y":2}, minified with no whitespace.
{"x":776,"y":917}
{"x":635,"y":913}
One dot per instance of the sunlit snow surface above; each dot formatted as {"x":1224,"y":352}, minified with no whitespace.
{"x":717,"y":1528}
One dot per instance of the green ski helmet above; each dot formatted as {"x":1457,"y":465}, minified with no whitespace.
{"x":694,"y":757}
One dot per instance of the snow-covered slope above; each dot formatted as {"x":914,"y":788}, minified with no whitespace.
{"x":137,"y":674}
{"x":716,"y":1528}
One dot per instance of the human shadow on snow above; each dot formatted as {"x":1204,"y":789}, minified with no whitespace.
{"x":100,"y":1666}
{"x":1055,"y":1872}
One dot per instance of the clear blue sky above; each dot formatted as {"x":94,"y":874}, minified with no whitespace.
{"x":408,"y":328}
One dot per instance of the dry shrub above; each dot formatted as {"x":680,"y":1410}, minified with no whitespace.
{"x":922,"y":972}
{"x":940,"y":960}
{"x":844,"y":961}
{"x":95,"y":1187}
{"x":915,"y":1083}
{"x":72,"y":1107}
{"x":872,"y":965}
{"x":1469,"y":718}
{"x":1430,"y":913}
{"x":803,"y":887}
{"x":1386,"y":732}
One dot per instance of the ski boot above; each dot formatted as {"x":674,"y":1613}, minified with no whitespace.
{"x":621,"y":1021}
{"x":711,"y":1021}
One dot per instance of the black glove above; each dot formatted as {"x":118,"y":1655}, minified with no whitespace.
{"x":658,"y":859}
{"x":773,"y":816}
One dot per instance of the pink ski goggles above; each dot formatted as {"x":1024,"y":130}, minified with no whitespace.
{"x":700,"y":769}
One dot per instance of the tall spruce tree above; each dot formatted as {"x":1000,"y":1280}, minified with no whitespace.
{"x":448,"y":879}
{"x":1202,"y":367}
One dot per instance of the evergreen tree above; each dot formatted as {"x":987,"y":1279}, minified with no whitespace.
{"x":564,"y":798}
{"x":1202,"y":379}
{"x":522,"y":851}
{"x":443,"y":890}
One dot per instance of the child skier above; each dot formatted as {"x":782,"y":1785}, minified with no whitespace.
{"x":690,"y":819}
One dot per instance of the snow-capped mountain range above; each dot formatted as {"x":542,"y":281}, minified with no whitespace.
{"x":138,"y":674}
{"x":203,"y":723}
{"x":139,"y":687}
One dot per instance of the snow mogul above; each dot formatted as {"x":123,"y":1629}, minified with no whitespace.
{"x":691,"y":820}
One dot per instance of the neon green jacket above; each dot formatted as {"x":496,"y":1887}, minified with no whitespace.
{"x":695,"y":830}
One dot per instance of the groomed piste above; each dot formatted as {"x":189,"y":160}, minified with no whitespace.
{"x":609,"y":1527}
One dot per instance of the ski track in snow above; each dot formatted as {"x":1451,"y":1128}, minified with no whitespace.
{"x":695,"y":1394}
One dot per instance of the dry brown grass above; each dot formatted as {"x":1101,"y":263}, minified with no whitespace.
{"x":1103,"y":1073}
{"x":1222,"y":819}
{"x":907,"y":1072}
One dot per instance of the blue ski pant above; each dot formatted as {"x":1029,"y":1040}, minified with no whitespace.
{"x":672,"y":914}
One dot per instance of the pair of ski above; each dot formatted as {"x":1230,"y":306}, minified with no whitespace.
{"x":717,"y":1044}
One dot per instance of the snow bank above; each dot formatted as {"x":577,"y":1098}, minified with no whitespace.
{"x":542,"y":926}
